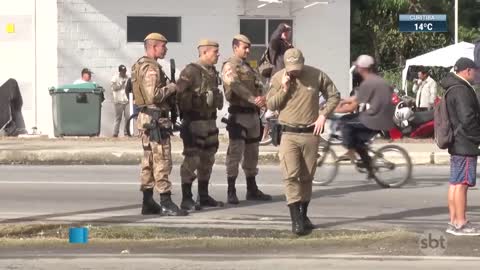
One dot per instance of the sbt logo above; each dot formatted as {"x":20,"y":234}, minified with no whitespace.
{"x":432,"y":243}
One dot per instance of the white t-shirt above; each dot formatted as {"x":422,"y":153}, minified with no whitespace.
{"x":80,"y":81}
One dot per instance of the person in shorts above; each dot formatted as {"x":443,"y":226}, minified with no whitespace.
{"x":464,"y":115}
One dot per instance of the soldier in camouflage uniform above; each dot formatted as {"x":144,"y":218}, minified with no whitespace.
{"x":199,"y":99}
{"x":244,"y":92}
{"x":151,"y":93}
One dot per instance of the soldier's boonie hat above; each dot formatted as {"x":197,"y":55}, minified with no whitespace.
{"x":242,"y":38}
{"x":207,"y":42}
{"x":293,"y":60}
{"x":155,"y":36}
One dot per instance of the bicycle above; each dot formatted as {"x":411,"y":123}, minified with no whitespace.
{"x":266,"y":122}
{"x":386,"y":159}
{"x":132,"y":130}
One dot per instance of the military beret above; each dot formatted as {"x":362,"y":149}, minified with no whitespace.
{"x":207,"y":42}
{"x":155,"y":36}
{"x":242,"y":38}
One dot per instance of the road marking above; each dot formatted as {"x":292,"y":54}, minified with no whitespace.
{"x":110,"y":183}
{"x":246,"y":256}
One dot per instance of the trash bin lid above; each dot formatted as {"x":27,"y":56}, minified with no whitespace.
{"x":77,"y":88}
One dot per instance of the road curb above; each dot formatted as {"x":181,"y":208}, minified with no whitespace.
{"x":59,"y":157}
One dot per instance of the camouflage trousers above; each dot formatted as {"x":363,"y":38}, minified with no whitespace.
{"x":156,"y":165}
{"x":246,"y":148}
{"x":200,"y":141}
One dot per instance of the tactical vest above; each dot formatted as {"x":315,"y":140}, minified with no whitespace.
{"x":209,"y":86}
{"x":248,"y":77}
{"x":144,"y":97}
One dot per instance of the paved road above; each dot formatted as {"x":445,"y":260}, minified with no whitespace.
{"x":219,"y":262}
{"x":109,"y":194}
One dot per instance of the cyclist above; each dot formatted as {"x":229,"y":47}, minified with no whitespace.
{"x":373,"y":100}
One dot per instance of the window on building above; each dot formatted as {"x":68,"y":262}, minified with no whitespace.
{"x":254,"y":29}
{"x":259,"y":32}
{"x":138,"y":27}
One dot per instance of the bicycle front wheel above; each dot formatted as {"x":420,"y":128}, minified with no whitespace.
{"x":392,"y":166}
{"x":327,"y":167}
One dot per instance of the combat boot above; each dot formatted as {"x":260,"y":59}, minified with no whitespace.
{"x":306,"y":220}
{"x":169,"y":208}
{"x":187,"y":199}
{"x":253,"y":193}
{"x":149,"y":205}
{"x":298,"y":225}
{"x":232,"y":191}
{"x":204,"y":199}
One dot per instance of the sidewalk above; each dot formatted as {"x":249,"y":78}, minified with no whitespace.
{"x":128,"y":151}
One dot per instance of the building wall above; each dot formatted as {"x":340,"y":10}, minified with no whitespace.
{"x":17,"y":52}
{"x":323,"y":34}
{"x":29,"y":55}
{"x":93,"y":34}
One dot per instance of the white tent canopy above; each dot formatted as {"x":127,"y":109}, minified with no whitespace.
{"x":444,"y":57}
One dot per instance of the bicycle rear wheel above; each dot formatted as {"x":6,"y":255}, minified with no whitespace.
{"x":327,"y":166}
{"x":132,"y":130}
{"x":392,"y":166}
{"x":266,"y":136}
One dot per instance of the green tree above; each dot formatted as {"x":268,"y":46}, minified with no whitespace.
{"x":375,"y":28}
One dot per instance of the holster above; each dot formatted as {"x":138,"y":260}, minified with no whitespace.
{"x":186,"y":135}
{"x":156,"y":132}
{"x":234,"y":129}
{"x":276,"y":132}
{"x":259,"y":138}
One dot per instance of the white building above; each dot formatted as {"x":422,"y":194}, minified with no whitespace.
{"x":47,"y":43}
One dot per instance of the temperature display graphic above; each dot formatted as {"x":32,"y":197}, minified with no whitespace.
{"x":423,"y":23}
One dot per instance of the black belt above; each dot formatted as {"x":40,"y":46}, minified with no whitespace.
{"x":155,"y":113}
{"x":238,"y":109}
{"x":298,"y":129}
{"x":198,"y":116}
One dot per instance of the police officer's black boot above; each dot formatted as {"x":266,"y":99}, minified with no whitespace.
{"x":204,"y":199}
{"x":298,"y":225}
{"x":150,"y":206}
{"x":187,"y":199}
{"x":253,"y":193}
{"x":232,"y":191}
{"x":169,"y":208}
{"x":303,"y":212}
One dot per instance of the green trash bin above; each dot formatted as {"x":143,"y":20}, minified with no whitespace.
{"x":77,"y":109}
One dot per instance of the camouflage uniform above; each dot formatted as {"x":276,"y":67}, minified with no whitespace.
{"x":242,"y":86}
{"x":151,"y":95}
{"x":199,"y":99}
